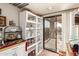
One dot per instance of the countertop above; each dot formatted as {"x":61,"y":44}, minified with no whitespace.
{"x":11,"y":44}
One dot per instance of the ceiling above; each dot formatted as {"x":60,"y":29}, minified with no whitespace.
{"x":46,"y":8}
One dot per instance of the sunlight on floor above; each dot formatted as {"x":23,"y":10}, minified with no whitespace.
{"x":48,"y":53}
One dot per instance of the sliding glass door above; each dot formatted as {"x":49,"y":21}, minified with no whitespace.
{"x":51,"y":30}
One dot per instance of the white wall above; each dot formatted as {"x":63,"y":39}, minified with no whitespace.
{"x":10,"y":11}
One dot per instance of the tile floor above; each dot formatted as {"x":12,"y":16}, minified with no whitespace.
{"x":51,"y":44}
{"x":48,"y":53}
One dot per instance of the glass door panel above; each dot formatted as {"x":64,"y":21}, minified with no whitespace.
{"x":52,"y":29}
{"x":50,"y":34}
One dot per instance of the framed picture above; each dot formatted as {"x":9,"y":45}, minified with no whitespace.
{"x":2,"y":21}
{"x":12,"y":23}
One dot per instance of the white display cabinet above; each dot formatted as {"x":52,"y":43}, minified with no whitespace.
{"x":32,"y":30}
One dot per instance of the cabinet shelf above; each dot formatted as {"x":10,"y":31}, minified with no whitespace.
{"x":31,"y":46}
{"x":39,"y":52}
{"x":31,"y":21}
{"x":39,"y":28}
{"x":39,"y":23}
{"x":30,"y":28}
{"x":30,"y":37}
{"x":39,"y":42}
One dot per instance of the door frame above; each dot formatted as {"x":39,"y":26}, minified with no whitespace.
{"x":44,"y":33}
